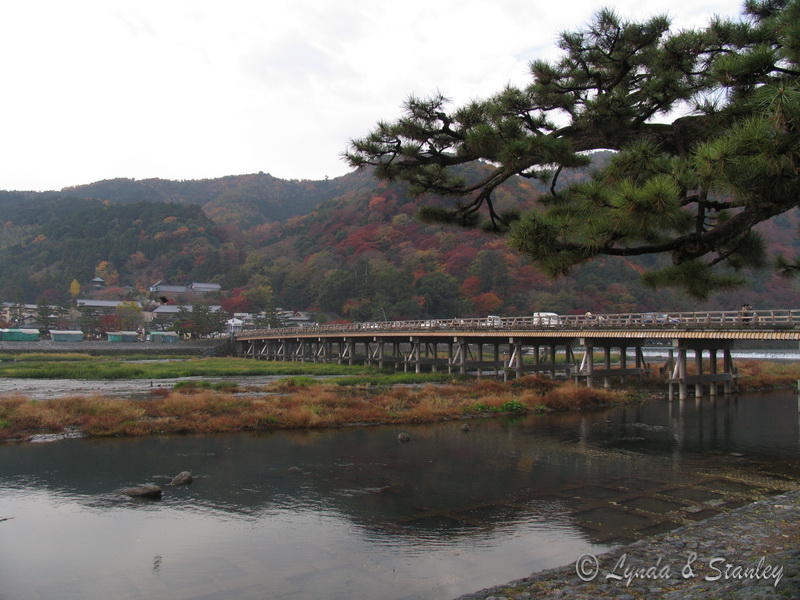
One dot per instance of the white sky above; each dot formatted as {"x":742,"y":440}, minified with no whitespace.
{"x":193,"y":89}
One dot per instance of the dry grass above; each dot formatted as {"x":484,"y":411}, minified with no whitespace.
{"x":753,"y":374}
{"x":762,"y":375}
{"x":302,"y":402}
{"x":290,"y":404}
{"x":572,"y":397}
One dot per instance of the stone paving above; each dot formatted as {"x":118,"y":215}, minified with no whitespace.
{"x":750,"y":552}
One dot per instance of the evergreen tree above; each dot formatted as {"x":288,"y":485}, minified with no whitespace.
{"x":89,"y":320}
{"x":184,"y":321}
{"x":129,"y":315}
{"x":45,"y":316}
{"x":705,"y":123}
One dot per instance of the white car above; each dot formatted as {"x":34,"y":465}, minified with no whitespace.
{"x":547,"y":319}
{"x":493,"y":321}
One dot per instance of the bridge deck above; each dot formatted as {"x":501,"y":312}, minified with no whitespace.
{"x":525,"y":334}
{"x":782,"y":324}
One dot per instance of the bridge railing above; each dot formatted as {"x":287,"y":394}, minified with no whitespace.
{"x":736,"y":319}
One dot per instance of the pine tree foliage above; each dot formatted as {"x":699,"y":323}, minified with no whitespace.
{"x":705,"y":124}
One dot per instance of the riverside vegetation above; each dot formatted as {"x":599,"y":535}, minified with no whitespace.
{"x":293,"y":403}
{"x":358,"y":396}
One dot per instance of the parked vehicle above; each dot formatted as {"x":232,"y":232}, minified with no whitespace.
{"x":547,"y":319}
{"x":658,"y":319}
{"x":493,"y":321}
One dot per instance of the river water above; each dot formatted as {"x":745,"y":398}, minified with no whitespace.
{"x":353,"y":513}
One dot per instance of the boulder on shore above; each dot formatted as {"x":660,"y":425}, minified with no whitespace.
{"x":182,"y":478}
{"x":143,"y":491}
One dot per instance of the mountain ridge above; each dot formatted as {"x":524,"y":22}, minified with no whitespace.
{"x":351,"y":245}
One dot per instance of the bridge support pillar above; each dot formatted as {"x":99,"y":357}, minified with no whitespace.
{"x":497,"y":360}
{"x":698,"y":365}
{"x":703,"y":375}
{"x":348,"y":350}
{"x":449,"y":358}
{"x":607,"y":365}
{"x":518,"y":360}
{"x":712,"y":365}
{"x":681,"y":373}
{"x":728,"y":367}
{"x":569,"y":360}
{"x":415,"y":354}
{"x":588,"y":359}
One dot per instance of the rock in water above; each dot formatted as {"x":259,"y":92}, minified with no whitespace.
{"x":143,"y":491}
{"x":294,"y":470}
{"x":182,"y":478}
{"x":403,"y":437}
{"x":465,"y":428}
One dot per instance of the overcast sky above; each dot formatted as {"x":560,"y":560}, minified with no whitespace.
{"x":195,"y":89}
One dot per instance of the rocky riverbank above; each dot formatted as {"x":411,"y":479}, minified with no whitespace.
{"x":752,"y":552}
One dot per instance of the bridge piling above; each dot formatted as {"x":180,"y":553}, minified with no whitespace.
{"x":681,"y":374}
{"x":712,"y":366}
{"x":698,"y":365}
{"x":728,"y":368}
{"x":449,"y":358}
{"x":589,"y":358}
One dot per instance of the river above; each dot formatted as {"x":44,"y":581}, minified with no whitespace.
{"x":353,"y":513}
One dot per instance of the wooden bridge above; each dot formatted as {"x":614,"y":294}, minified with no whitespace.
{"x":541,"y":343}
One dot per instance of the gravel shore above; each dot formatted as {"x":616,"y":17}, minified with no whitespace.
{"x":752,"y":552}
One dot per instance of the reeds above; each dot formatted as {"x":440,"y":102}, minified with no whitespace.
{"x":290,"y":403}
{"x":763,"y":375}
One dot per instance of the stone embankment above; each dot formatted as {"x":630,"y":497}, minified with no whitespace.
{"x":752,"y":553}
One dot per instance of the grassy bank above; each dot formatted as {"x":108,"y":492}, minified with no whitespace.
{"x":753,"y":375}
{"x":195,"y":367}
{"x":292,"y":404}
{"x":766,"y":375}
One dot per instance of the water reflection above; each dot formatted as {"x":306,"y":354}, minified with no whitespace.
{"x":353,"y":513}
{"x":765,"y":423}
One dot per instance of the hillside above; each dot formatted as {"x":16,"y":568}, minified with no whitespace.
{"x":47,"y":241}
{"x":240,"y":201}
{"x":350,"y":246}
{"x":365,"y":255}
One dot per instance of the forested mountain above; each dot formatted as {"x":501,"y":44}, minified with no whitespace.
{"x":365,"y":255}
{"x":47,"y":241}
{"x":238,"y":200}
{"x":351,"y":246}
